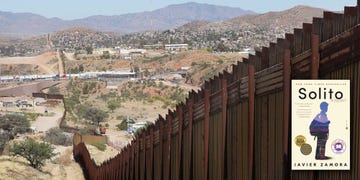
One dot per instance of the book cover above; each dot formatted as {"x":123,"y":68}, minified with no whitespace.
{"x":320,"y":124}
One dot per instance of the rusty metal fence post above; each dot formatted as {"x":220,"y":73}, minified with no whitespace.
{"x":224,"y":97}
{"x":206,"y":132}
{"x":286,"y":107}
{"x":251,"y":91}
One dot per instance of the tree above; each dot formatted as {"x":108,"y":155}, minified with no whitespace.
{"x":85,"y":89}
{"x":34,"y":152}
{"x":95,"y":115}
{"x":89,"y":50}
{"x":10,"y":125}
{"x":221,"y":47}
{"x":81,"y":68}
{"x":4,"y":138}
{"x":56,"y":136}
{"x":123,"y":125}
{"x":14,"y":123}
{"x":113,"y":104}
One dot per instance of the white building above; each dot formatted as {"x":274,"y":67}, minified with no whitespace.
{"x":176,"y":47}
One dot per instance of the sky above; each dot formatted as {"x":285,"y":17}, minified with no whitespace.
{"x":74,"y":9}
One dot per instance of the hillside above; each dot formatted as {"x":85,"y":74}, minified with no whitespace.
{"x":282,"y":20}
{"x":28,"y":24}
{"x":233,"y":34}
{"x":246,"y":31}
{"x":82,"y":37}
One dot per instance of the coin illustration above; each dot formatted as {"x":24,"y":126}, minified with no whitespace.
{"x":300,"y":140}
{"x":306,"y":149}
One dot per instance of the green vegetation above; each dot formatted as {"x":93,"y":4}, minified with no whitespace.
{"x":138,"y":131}
{"x":56,"y":136}
{"x":105,"y":55}
{"x":113,"y":104}
{"x":123,"y":125}
{"x":100,"y":146}
{"x":207,"y":76}
{"x":220,"y":61}
{"x":89,"y":50}
{"x":221,"y":47}
{"x":34,"y":152}
{"x":88,"y":87}
{"x":121,"y":117}
{"x":71,"y":102}
{"x":158,"y":58}
{"x":14,"y":124}
{"x":80,"y":103}
{"x":4,"y":138}
{"x":76,"y":69}
{"x":54,"y":90}
{"x":88,"y":129}
{"x":53,"y":60}
{"x":106,"y":97}
{"x":203,"y":65}
{"x":31,"y":116}
{"x":95,"y":115}
{"x":75,"y":103}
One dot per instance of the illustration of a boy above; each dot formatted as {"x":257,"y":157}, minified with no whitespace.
{"x":319,"y":128}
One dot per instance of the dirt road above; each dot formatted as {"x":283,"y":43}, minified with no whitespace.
{"x":60,"y":62}
{"x":49,"y":120}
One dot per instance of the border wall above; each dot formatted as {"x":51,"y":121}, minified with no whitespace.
{"x":237,"y":125}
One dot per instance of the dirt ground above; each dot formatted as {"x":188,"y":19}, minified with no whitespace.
{"x":101,"y":156}
{"x":43,"y":61}
{"x":64,"y":166}
{"x":49,"y":120}
{"x":60,"y":168}
{"x":46,"y":120}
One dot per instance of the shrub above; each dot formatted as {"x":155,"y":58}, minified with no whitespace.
{"x":203,"y":65}
{"x":113,"y":104}
{"x":4,"y":137}
{"x":56,"y":136}
{"x":95,"y":115}
{"x":89,"y":129}
{"x":31,"y":116}
{"x":34,"y":152}
{"x":150,"y":100}
{"x":139,"y":130}
{"x":123,"y":125}
{"x":121,"y":117}
{"x":100,"y":146}
{"x":14,"y":123}
{"x":54,"y":90}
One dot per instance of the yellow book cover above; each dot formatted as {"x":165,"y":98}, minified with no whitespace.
{"x":320,"y":124}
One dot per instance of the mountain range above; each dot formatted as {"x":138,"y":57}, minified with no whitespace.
{"x":172,"y":16}
{"x":281,"y":20}
{"x":233,"y":34}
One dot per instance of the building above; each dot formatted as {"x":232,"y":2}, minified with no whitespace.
{"x":176,"y":47}
{"x":102,"y":51}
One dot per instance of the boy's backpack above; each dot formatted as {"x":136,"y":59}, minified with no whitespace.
{"x":317,"y":128}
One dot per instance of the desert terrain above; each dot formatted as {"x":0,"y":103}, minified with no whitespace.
{"x":141,"y":100}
